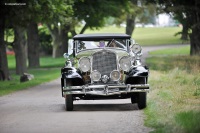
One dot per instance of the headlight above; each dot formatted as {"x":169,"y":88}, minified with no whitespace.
{"x":84,"y":64}
{"x":136,"y":48}
{"x":115,"y":75}
{"x":125,"y":63}
{"x":95,"y":75}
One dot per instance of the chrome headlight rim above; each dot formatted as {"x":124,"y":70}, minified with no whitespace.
{"x":136,"y":48}
{"x":111,"y":75}
{"x":99,"y":76}
{"x":88,"y":63}
{"x":121,"y":64}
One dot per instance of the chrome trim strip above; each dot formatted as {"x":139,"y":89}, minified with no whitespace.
{"x":105,"y":90}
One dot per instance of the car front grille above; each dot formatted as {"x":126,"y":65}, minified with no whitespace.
{"x":105,"y":62}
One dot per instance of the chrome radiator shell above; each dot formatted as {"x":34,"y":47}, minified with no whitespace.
{"x":104,"y":61}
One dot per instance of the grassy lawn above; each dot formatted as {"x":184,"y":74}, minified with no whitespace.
{"x":169,"y":52}
{"x":40,"y":76}
{"x":174,"y":99}
{"x":147,"y":36}
{"x":45,"y":62}
{"x":50,"y":70}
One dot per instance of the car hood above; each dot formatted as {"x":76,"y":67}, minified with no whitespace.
{"x":89,"y":52}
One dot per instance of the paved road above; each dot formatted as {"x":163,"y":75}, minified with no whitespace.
{"x":41,"y":109}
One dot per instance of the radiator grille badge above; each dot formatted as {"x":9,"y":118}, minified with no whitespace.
{"x":104,"y":78}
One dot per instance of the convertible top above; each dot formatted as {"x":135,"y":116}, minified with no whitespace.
{"x":99,"y":36}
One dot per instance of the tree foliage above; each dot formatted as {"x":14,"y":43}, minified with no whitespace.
{"x":139,"y":11}
{"x":19,"y":14}
{"x":188,"y":13}
{"x":94,"y":13}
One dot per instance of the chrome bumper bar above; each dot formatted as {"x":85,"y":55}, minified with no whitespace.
{"x":104,"y":90}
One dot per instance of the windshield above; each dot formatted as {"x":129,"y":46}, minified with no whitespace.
{"x":114,"y":43}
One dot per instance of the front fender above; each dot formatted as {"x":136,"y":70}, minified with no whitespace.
{"x":69,"y":73}
{"x":137,"y":75}
{"x":139,"y":71}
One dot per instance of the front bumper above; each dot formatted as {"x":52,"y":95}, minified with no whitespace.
{"x":105,"y":90}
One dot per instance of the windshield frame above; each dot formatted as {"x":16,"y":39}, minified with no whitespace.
{"x":108,"y":41}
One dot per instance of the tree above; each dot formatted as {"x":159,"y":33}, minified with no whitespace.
{"x":33,"y":45}
{"x":191,"y":14}
{"x":16,"y":17}
{"x":59,"y":33}
{"x":138,"y":11}
{"x":4,"y":72}
{"x":59,"y":26}
{"x":56,"y":40}
{"x":180,"y":16}
{"x":94,"y":13}
{"x":131,"y":16}
{"x":19,"y":17}
{"x":52,"y":13}
{"x":20,"y":48}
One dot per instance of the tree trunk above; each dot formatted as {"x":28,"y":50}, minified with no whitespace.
{"x":4,"y":72}
{"x":57,"y":45}
{"x":195,"y":41}
{"x":130,"y":24}
{"x":20,"y":49}
{"x":84,"y":28}
{"x":56,"y":35}
{"x":65,"y":39}
{"x":33,"y":45}
{"x":195,"y":35}
{"x":184,"y":34}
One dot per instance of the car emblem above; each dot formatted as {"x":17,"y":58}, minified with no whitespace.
{"x":104,"y":78}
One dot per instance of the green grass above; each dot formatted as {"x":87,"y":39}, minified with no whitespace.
{"x":166,"y":63}
{"x":175,"y":51}
{"x":45,"y":62}
{"x":189,"y":121}
{"x":40,"y":76}
{"x":49,"y":70}
{"x":147,"y":36}
{"x":52,"y":62}
{"x":157,"y":36}
{"x":174,"y":99}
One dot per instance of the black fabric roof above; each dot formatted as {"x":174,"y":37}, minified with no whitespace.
{"x":99,"y":36}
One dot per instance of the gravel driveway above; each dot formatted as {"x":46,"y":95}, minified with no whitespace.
{"x":41,"y":109}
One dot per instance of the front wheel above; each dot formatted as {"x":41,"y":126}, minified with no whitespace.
{"x":69,"y":102}
{"x":69,"y":98}
{"x":134,"y":98}
{"x":142,"y":100}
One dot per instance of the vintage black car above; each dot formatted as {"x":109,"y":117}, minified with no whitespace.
{"x":104,"y":66}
